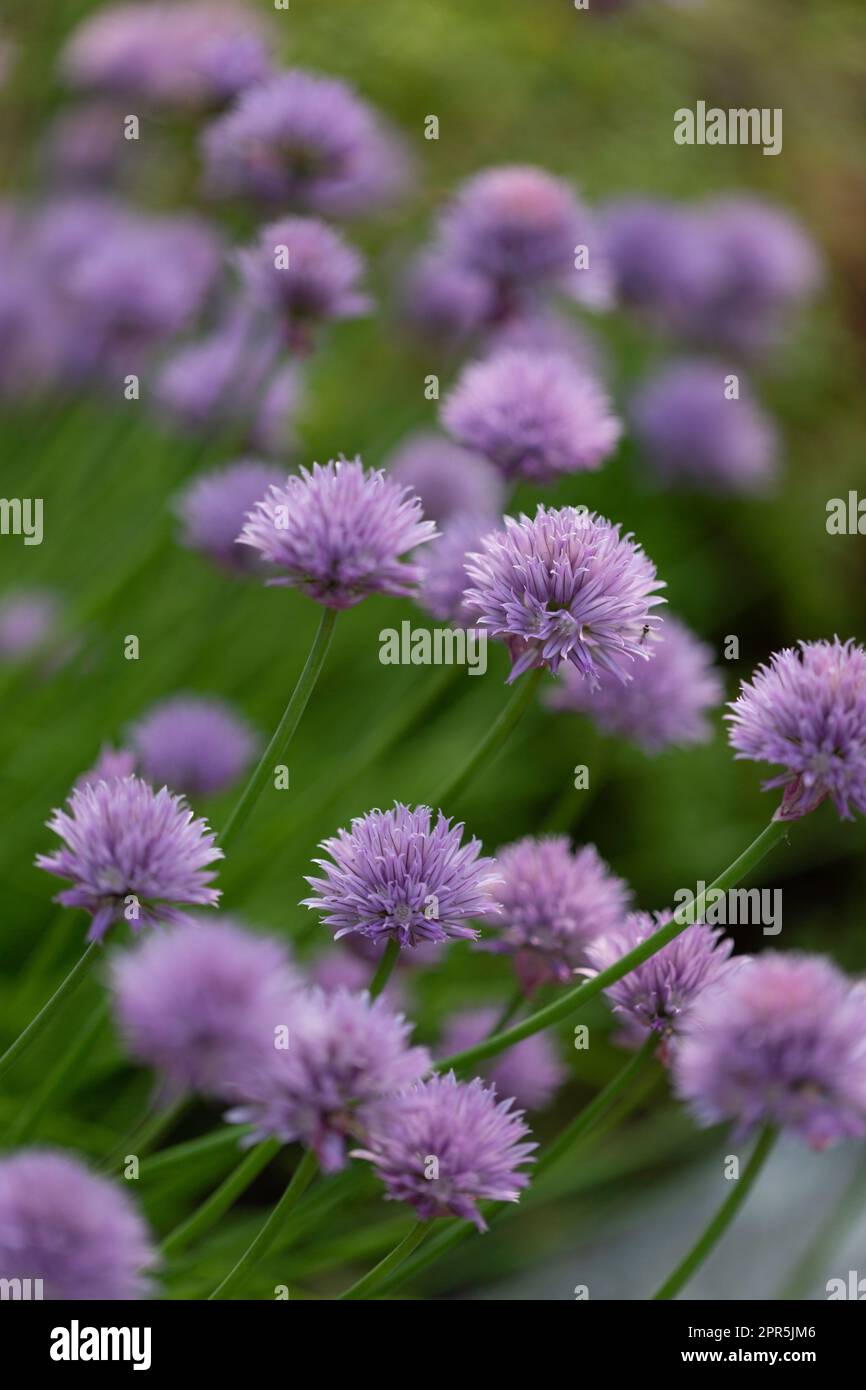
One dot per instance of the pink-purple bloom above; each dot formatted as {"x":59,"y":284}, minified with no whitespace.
{"x":213,"y":509}
{"x":445,"y":1145}
{"x":304,"y":142}
{"x":221,"y":379}
{"x":75,"y":1230}
{"x":112,"y":763}
{"x":444,"y":579}
{"x":449,"y":480}
{"x":783,"y":1043}
{"x":132,"y":854}
{"x":399,"y":875}
{"x":198,"y":1002}
{"x":530,"y":1072}
{"x":194,"y":745}
{"x":693,"y":433}
{"x":304,"y":273}
{"x":664,"y":705}
{"x":555,"y":901}
{"x":806,"y":711}
{"x":191,"y":55}
{"x":338,"y":533}
{"x":29,"y":620}
{"x":565,"y":586}
{"x":536,"y":415}
{"x":343,"y":1053}
{"x":445,"y":302}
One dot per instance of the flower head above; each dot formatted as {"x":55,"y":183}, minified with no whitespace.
{"x":190,"y":55}
{"x":193,"y":745}
{"x":338,"y":533}
{"x":112,"y":763}
{"x":443,"y":569}
{"x":306,"y":142}
{"x":555,"y":901}
{"x":783,"y":1043}
{"x":304,"y":272}
{"x":656,"y":997}
{"x":693,"y":434}
{"x":806,"y":711}
{"x":213,"y":508}
{"x":29,"y":620}
{"x":536,"y":415}
{"x":530,"y":1072}
{"x":660,"y":258}
{"x":398,"y":875}
{"x":131,"y":853}
{"x":219,"y":380}
{"x":447,"y":1144}
{"x":663,"y":705}
{"x":344,"y":1053}
{"x":449,"y":480}
{"x":565,"y":586}
{"x":196,"y":1002}
{"x":76,"y":1231}
{"x":442,"y":300}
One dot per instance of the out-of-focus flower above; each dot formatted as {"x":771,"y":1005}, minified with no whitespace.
{"x":443,"y":569}
{"x":344,"y":1053}
{"x":446,"y":1145}
{"x":213,"y":508}
{"x":534,"y":414}
{"x":193,"y":745}
{"x":555,"y":901}
{"x":663,"y":705}
{"x":112,"y":763}
{"x":398,"y":875}
{"x":304,"y":273}
{"x":783,"y":1043}
{"x":806,"y":711}
{"x":449,"y":480}
{"x":445,"y":302}
{"x":538,"y":329}
{"x":304,"y":142}
{"x":77,"y":1232}
{"x":199,"y":1001}
{"x":692,"y":433}
{"x":132,"y":854}
{"x":338,"y":533}
{"x":191,"y":55}
{"x":565,"y":586}
{"x":530,"y":1072}
{"x":273,"y":424}
{"x":660,"y":257}
{"x":85,"y":145}
{"x":29,"y":622}
{"x":218,"y":382}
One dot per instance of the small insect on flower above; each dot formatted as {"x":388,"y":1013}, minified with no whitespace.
{"x":132,"y":854}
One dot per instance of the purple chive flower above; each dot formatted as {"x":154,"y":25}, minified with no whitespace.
{"x":196,"y":54}
{"x":555,"y":901}
{"x":338,"y":533}
{"x":660,"y":257}
{"x":449,"y":480}
{"x":200,"y":1001}
{"x":131,"y":853}
{"x":806,"y":711}
{"x":212,"y":510}
{"x":29,"y":621}
{"x":272,"y":428}
{"x":76,"y":1231}
{"x":541,"y":330}
{"x":519,"y":226}
{"x":305,"y":142}
{"x":443,"y":569}
{"x":535,"y":415}
{"x":663,"y":705}
{"x":195,"y":746}
{"x":398,"y":876}
{"x":692,"y":434}
{"x":446,"y":1145}
{"x":783,"y":1043}
{"x":658,"y":995}
{"x":219,"y":381}
{"x":565,"y":586}
{"x":304,"y":272}
{"x":445,"y":301}
{"x":344,"y":1052}
{"x":530,"y":1072}
{"x":85,"y":146}
{"x":113,"y":764}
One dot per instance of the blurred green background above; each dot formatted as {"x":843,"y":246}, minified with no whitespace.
{"x":585,"y":95}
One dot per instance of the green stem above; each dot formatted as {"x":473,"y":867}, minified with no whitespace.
{"x":141,"y":1139}
{"x":384,"y":969}
{"x":29,"y":1115}
{"x":495,"y":737}
{"x":45,"y":1015}
{"x":575,"y":999}
{"x":224,"y":1197}
{"x":285,"y":730}
{"x":592,"y":1112}
{"x":301,"y":1179}
{"x":722,"y":1219}
{"x":374,"y":1278}
{"x":509,"y":1009}
{"x":188,"y":1154}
